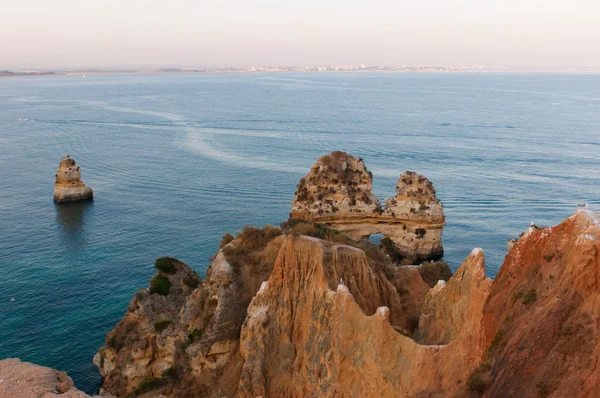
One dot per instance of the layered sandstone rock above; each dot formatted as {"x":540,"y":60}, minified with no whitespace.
{"x":291,"y":315}
{"x":185,"y":342}
{"x":541,"y":319}
{"x":26,"y":380}
{"x":68,"y":186}
{"x":305,"y":335}
{"x":512,"y":242}
{"x":197,"y":352}
{"x":337,"y":192}
{"x":448,"y":307}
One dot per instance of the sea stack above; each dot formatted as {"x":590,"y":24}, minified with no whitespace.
{"x":337,"y":192}
{"x":68,"y":186}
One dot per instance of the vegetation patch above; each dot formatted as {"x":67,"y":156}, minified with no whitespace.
{"x":160,"y":285}
{"x":147,"y":384}
{"x":115,"y":343}
{"x":161,"y":325}
{"x":530,"y":297}
{"x":517,"y":296}
{"x":548,"y":257}
{"x":191,"y":282}
{"x":195,"y":334}
{"x":225,"y":240}
{"x":433,"y":272}
{"x":304,"y":227}
{"x":498,"y":339}
{"x":477,"y":382}
{"x":166,"y":265}
{"x":249,"y":240}
{"x":566,"y":331}
{"x":174,"y":372}
{"x":543,"y":389}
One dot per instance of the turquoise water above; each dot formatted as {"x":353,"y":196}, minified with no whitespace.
{"x":178,"y":160}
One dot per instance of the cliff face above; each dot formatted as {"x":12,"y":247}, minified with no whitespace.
{"x":294,"y":316}
{"x":184,"y":340}
{"x":68,"y":186}
{"x":450,"y":307}
{"x":541,"y":319}
{"x":307,"y":335}
{"x":187,"y":342}
{"x":337,"y":192}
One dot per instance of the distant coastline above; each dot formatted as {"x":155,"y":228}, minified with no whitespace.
{"x":275,"y":69}
{"x":9,"y":73}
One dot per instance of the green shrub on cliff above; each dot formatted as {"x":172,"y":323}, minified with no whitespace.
{"x":432,"y":272}
{"x":115,"y":343}
{"x":226,"y":239}
{"x":498,"y":339}
{"x":160,"y":285}
{"x":249,"y":240}
{"x":196,"y":333}
{"x":161,"y":325}
{"x":304,"y":227}
{"x":147,"y":385}
{"x":477,"y":381}
{"x":530,"y":297}
{"x":166,"y":265}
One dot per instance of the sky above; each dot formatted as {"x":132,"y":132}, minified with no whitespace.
{"x":511,"y":34}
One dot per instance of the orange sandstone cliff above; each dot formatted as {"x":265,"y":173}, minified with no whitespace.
{"x":285,"y":314}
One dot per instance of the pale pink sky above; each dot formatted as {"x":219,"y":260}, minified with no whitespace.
{"x":525,"y":34}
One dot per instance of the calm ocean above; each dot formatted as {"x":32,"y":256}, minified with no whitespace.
{"x":176,"y":161}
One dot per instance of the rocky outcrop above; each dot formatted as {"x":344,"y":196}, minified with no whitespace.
{"x":187,"y":341}
{"x":26,"y":380}
{"x":541,"y":319}
{"x":306,"y":335}
{"x":184,"y":341}
{"x":512,"y":242}
{"x":337,"y":192}
{"x":450,"y":307}
{"x":68,"y":186}
{"x":284,"y":314}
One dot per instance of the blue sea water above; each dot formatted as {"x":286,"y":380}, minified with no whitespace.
{"x":178,"y":160}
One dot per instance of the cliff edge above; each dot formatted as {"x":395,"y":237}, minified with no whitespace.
{"x":305,"y":311}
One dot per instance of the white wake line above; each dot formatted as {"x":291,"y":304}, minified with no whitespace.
{"x":195,"y":141}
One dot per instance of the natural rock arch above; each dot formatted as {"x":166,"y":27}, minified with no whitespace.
{"x":337,"y":192}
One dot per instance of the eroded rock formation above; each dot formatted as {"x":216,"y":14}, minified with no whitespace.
{"x":186,"y":340}
{"x":26,"y":380}
{"x":68,"y":186}
{"x":337,"y":192}
{"x":541,"y":319}
{"x":306,"y":335}
{"x":283,"y":314}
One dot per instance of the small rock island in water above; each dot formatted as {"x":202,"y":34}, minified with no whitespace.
{"x":68,"y":186}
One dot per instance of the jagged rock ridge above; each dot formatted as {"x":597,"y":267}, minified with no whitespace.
{"x":329,"y":320}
